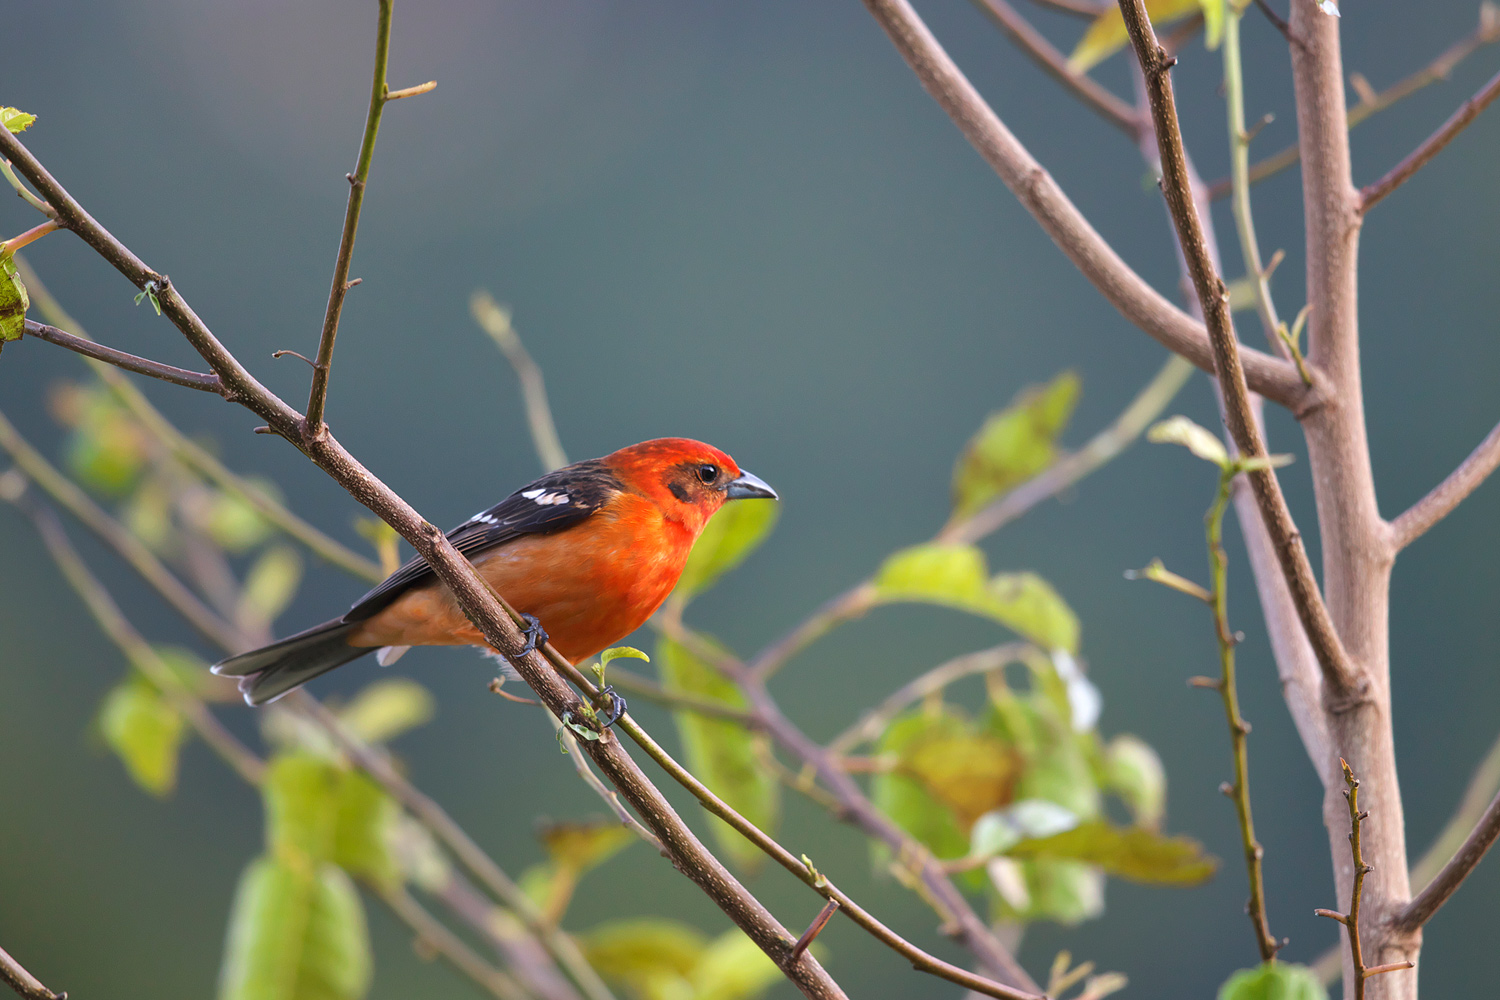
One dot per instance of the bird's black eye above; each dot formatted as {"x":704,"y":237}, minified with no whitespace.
{"x":708,"y":473}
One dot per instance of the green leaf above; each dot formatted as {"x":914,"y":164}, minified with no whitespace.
{"x":955,"y":576}
{"x":1274,"y":981}
{"x":584,"y":844}
{"x":365,"y":828}
{"x":615,"y":653}
{"x":1214,"y":13}
{"x":1065,"y":891}
{"x":1196,"y":439}
{"x":16,"y":120}
{"x":1014,"y":444}
{"x":728,"y":537}
{"x":295,"y":934}
{"x":1000,"y":829}
{"x":301,"y":795}
{"x":1134,"y":772}
{"x":1027,"y":605}
{"x":145,"y":731}
{"x":1107,"y":35}
{"x":269,"y":587}
{"x":1132,"y":853}
{"x":233,"y":524}
{"x":13,"y":298}
{"x":722,"y":753}
{"x":387,"y":708}
{"x":654,"y":957}
{"x":733,"y":968}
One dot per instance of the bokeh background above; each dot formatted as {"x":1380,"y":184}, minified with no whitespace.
{"x":745,"y":223}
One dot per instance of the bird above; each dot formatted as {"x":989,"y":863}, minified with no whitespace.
{"x":586,"y":554}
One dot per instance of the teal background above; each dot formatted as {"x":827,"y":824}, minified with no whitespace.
{"x":744,"y":223}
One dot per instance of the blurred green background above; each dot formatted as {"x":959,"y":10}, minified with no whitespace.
{"x":744,"y":223}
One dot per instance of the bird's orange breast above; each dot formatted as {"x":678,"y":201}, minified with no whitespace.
{"x":590,"y":585}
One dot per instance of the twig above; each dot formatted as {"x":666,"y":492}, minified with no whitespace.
{"x":14,"y":975}
{"x":1440,"y":68}
{"x":1276,"y":19}
{"x":140,"y":653}
{"x":313,"y":425}
{"x":23,"y":192}
{"x":1372,"y":194}
{"x":194,"y":455}
{"x":495,"y":321}
{"x":816,"y":927}
{"x":654,"y":692}
{"x":1447,"y":881}
{"x":1350,"y":920}
{"x":1078,"y":8}
{"x":1448,"y":494}
{"x":167,"y":373}
{"x":1239,"y":729}
{"x":1340,"y":674}
{"x":432,"y":933}
{"x":30,"y":236}
{"x":561,"y":946}
{"x":1088,"y":90}
{"x":875,"y":720}
{"x":845,"y":607}
{"x":1044,"y":199}
{"x":130,"y":548}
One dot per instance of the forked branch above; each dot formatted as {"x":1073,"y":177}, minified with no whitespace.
{"x":1448,"y":494}
{"x":1372,"y":194}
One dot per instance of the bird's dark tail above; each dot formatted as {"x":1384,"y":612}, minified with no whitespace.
{"x":269,"y":672}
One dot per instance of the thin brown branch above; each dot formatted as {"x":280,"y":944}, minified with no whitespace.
{"x":432,"y":934}
{"x":1095,"y":95}
{"x":30,"y":236}
{"x":142,"y":366}
{"x":1448,"y":494}
{"x":1044,"y":199}
{"x":1372,"y":194}
{"x":379,"y":94}
{"x":1487,"y":33}
{"x":14,"y":975}
{"x":140,"y":653}
{"x":816,"y":927}
{"x":1339,"y":672}
{"x":1078,"y":8}
{"x":1447,"y":881}
{"x":96,"y":519}
{"x":494,"y":319}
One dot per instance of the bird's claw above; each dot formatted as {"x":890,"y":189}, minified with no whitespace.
{"x":616,"y":707}
{"x":533,"y":632}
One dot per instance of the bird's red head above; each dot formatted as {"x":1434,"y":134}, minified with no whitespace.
{"x":688,"y":480}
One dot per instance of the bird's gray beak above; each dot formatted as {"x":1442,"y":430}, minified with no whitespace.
{"x":749,"y":487}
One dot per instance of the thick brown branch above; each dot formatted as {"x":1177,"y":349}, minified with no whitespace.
{"x":1340,"y":674}
{"x":1112,"y":109}
{"x":14,"y":975}
{"x":1372,"y":194}
{"x":1430,"y":899}
{"x":1448,"y":494}
{"x":1044,"y":199}
{"x":141,"y":366}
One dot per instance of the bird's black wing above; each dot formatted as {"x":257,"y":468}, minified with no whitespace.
{"x":555,"y":501}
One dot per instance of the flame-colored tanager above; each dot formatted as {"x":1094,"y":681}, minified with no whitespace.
{"x":587,"y":553}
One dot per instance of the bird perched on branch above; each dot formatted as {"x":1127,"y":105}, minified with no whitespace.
{"x":587,"y":553}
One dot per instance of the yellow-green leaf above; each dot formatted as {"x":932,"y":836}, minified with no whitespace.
{"x":1107,"y":35}
{"x":1133,"y":853}
{"x":295,"y":934}
{"x":145,"y":732}
{"x":903,"y":796}
{"x":387,"y":708}
{"x":1196,"y":439}
{"x":301,"y":795}
{"x":1274,"y":981}
{"x":733,"y":968}
{"x":584,"y":844}
{"x":232,"y":523}
{"x":654,"y":958}
{"x":16,"y":120}
{"x":727,"y":538}
{"x":1028,"y":606}
{"x":365,"y":828}
{"x":13,"y":298}
{"x":1134,"y":772}
{"x":1014,"y":444}
{"x":722,"y":753}
{"x":269,"y":587}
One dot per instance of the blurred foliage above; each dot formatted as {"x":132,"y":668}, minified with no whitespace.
{"x":1274,"y":981}
{"x":1106,"y":35}
{"x":659,"y":959}
{"x":730,"y":535}
{"x":145,"y":731}
{"x":573,"y":848}
{"x":1014,"y":444}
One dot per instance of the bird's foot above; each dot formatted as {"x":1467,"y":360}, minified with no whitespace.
{"x":533,"y":632}
{"x":616,"y":707}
